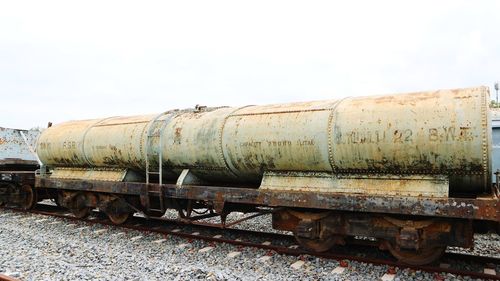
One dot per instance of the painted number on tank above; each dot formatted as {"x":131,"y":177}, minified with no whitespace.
{"x":278,"y":143}
{"x":401,"y":136}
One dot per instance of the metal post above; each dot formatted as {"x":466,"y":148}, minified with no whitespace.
{"x":496,"y":89}
{"x":496,"y":187}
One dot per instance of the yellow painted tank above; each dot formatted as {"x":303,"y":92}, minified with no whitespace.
{"x":440,"y":136}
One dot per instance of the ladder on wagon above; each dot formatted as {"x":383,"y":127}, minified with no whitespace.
{"x":154,"y":135}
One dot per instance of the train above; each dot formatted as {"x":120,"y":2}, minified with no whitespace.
{"x":415,"y":172}
{"x":18,"y":163}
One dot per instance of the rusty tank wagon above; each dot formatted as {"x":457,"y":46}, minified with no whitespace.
{"x":412,"y":171}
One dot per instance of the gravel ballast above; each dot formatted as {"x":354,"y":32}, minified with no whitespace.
{"x":37,"y":247}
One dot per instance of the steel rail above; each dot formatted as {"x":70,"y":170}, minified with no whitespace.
{"x":4,"y":277}
{"x":164,"y":226}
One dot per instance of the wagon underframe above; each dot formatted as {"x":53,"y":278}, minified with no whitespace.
{"x":481,"y":208}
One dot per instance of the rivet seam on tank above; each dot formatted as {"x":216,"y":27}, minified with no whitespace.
{"x":330,"y":133}
{"x":166,"y":120}
{"x":279,"y":112}
{"x":229,"y":166}
{"x":145,"y":130}
{"x":148,"y":129}
{"x":85,"y":134}
{"x":485,"y":135}
{"x":141,"y":142}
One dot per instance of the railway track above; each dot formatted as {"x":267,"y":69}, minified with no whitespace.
{"x":361,"y":251}
{"x":7,"y":278}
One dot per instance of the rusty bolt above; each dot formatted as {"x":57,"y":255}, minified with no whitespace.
{"x":391,"y":270}
{"x":344,"y":263}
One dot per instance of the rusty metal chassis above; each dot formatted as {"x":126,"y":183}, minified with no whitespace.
{"x":11,"y":181}
{"x":460,"y":208}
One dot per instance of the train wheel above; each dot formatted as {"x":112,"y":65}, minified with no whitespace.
{"x":79,"y":207}
{"x":308,"y":222}
{"x":58,"y":199}
{"x":81,"y":213}
{"x":417,"y":257}
{"x":117,"y":211}
{"x":27,"y":196}
{"x":118,"y":218}
{"x":317,"y":245}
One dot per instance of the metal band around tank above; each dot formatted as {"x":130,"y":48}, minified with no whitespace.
{"x":149,"y":127}
{"x":85,"y":135}
{"x":229,"y":166}
{"x":330,"y":133}
{"x":485,"y":138}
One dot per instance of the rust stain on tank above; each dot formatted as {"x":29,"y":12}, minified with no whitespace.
{"x":178,"y":135}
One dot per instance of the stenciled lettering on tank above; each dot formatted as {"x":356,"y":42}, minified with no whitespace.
{"x":278,"y":143}
{"x":309,"y":142}
{"x":69,"y":145}
{"x":441,"y":134}
{"x":254,"y":144}
{"x":445,"y":134}
{"x":45,"y":145}
{"x":366,"y":137}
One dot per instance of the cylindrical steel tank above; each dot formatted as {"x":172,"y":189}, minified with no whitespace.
{"x":445,"y":132}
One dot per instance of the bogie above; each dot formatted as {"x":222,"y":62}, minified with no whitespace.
{"x":412,"y":240}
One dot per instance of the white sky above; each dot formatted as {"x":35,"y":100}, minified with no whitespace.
{"x":66,"y":60}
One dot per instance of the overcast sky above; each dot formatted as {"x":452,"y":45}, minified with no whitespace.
{"x":65,"y":60}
